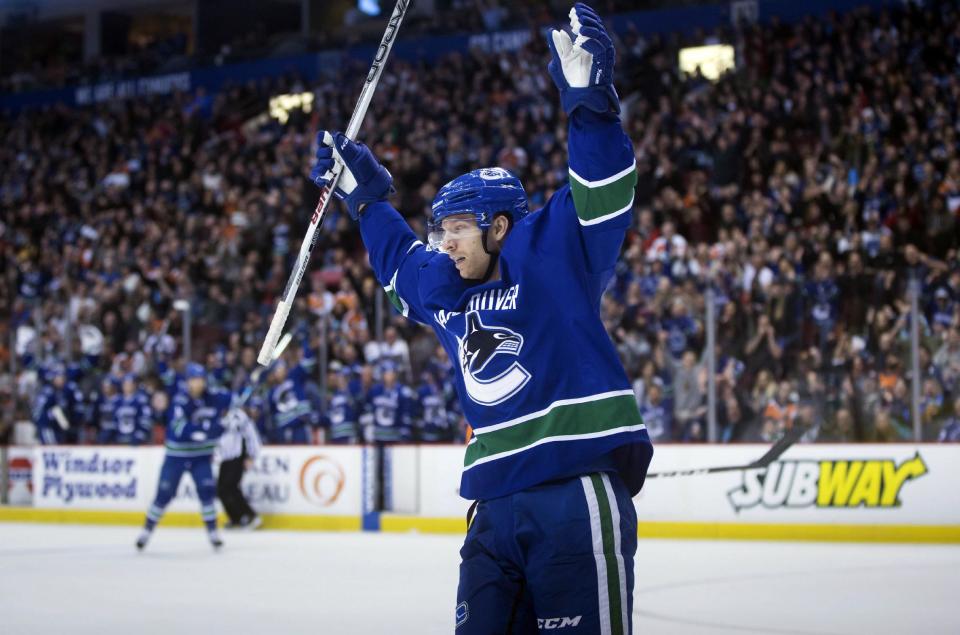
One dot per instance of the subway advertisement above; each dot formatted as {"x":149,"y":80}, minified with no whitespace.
{"x":902,"y":492}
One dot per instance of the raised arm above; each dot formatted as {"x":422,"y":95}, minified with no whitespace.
{"x":396,"y":254}
{"x":601,"y":161}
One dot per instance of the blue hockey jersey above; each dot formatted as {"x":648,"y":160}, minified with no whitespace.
{"x":52,"y":429}
{"x":538,"y":377}
{"x":132,"y":420}
{"x":289,"y":401}
{"x":435,"y":422}
{"x":195,"y":425}
{"x":342,"y":418}
{"x":392,"y":410}
{"x":101,"y":415}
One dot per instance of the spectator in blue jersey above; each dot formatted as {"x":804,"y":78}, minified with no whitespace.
{"x":292,"y":415}
{"x":679,"y":329}
{"x":657,"y":415}
{"x":950,"y":430}
{"x":823,"y":296}
{"x":58,"y":411}
{"x":434,"y":423}
{"x":132,"y":416}
{"x":342,"y":418}
{"x":942,"y":311}
{"x":194,"y":424}
{"x":392,"y":405}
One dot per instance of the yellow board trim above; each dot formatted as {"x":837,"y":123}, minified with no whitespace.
{"x":399,"y":523}
{"x":801,"y":532}
{"x":727,"y":531}
{"x":171,"y":519}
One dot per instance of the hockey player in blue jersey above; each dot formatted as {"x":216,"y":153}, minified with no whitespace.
{"x":559,"y":447}
{"x":59,"y":410}
{"x":132,"y":416}
{"x":101,"y":409}
{"x":435,"y":424}
{"x":342,"y":418}
{"x":194,"y":424}
{"x":291,"y":413}
{"x":392,"y":405}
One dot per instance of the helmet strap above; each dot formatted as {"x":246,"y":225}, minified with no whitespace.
{"x":493,"y":257}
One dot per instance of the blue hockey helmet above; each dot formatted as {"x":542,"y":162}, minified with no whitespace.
{"x":483,"y":193}
{"x":196,"y":370}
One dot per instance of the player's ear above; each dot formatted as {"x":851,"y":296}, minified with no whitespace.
{"x":501,"y":226}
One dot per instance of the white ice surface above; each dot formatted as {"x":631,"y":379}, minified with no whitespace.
{"x":80,"y":579}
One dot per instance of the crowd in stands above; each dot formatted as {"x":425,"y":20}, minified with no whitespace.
{"x":56,"y":65}
{"x":807,"y":193}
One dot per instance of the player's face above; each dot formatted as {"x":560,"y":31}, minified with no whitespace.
{"x":462,"y":240}
{"x":389,"y":377}
{"x":129,"y":387}
{"x":196,"y":386}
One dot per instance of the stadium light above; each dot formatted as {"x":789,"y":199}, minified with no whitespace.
{"x":281,"y":105}
{"x":369,"y":7}
{"x":713,"y":60}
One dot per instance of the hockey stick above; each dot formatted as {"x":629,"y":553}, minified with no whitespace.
{"x":258,"y":372}
{"x":776,"y":450}
{"x":313,"y":231}
{"x":60,"y":418}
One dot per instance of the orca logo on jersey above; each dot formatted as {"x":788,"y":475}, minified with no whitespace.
{"x":479,"y":345}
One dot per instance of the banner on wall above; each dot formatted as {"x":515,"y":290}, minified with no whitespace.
{"x":298,"y":480}
{"x":19,"y":476}
{"x":294,"y":480}
{"x":844,"y":484}
{"x":866,"y":485}
{"x":91,"y":477}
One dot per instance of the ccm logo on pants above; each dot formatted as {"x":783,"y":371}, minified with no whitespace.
{"x":558,"y":622}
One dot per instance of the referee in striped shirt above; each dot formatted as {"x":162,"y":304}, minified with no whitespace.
{"x":239,"y":446}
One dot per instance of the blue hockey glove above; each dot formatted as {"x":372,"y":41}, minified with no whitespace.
{"x":363,"y":179}
{"x":583,"y":68}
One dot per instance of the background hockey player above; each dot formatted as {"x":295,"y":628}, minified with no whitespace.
{"x":342,"y":418}
{"x":392,"y":405}
{"x":292,"y":415}
{"x":194,"y":423}
{"x":102,"y":403}
{"x":59,"y":409}
{"x":132,"y":415}
{"x":239,"y":447}
{"x":435,"y":424}
{"x":559,"y":447}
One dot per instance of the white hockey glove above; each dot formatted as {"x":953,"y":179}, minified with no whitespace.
{"x":363,"y":179}
{"x":582,"y":68}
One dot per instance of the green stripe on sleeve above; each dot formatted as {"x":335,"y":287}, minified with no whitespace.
{"x":398,"y":303}
{"x":600,"y":200}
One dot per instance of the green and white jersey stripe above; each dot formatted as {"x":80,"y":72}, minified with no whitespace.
{"x":394,"y":296}
{"x":599,"y":201}
{"x":189,"y":448}
{"x":589,"y":417}
{"x":611,"y":575}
